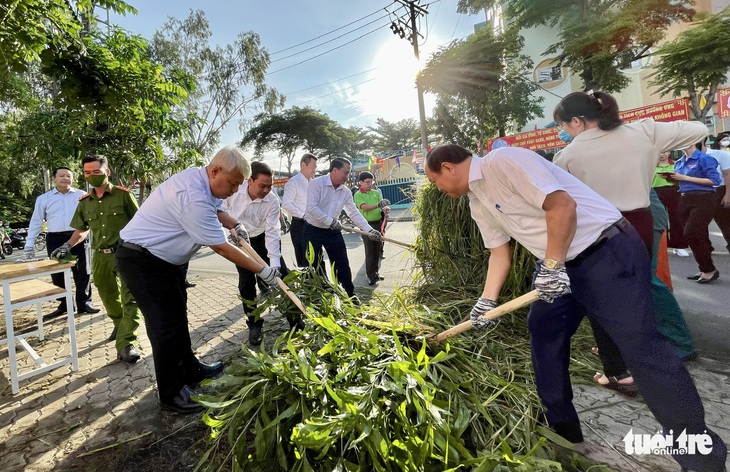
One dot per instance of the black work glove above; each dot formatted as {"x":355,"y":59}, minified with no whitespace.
{"x":61,"y":252}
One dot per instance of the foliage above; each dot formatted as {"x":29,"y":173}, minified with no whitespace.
{"x":294,"y":129}
{"x":481,"y":87}
{"x":696,"y":62}
{"x":358,"y":391}
{"x":387,"y":136}
{"x":353,"y":142}
{"x":231,"y":79}
{"x":28,"y":28}
{"x":597,"y":38}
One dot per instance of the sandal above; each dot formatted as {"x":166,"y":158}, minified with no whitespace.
{"x":627,"y":390}
{"x":594,"y":351}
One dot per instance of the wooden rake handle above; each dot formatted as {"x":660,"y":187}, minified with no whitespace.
{"x":283,"y":286}
{"x":365,"y":233}
{"x":496,"y":312}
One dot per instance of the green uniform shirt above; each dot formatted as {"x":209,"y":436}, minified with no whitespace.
{"x":660,"y":181}
{"x":369,"y":198}
{"x":105,"y":216}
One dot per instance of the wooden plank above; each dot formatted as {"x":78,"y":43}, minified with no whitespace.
{"x":31,"y":289}
{"x":9,"y":269}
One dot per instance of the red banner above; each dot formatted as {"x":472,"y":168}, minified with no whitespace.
{"x":723,"y":103}
{"x":547,"y":138}
{"x":281,"y":181}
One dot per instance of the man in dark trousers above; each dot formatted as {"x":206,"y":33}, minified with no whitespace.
{"x":294,"y":202}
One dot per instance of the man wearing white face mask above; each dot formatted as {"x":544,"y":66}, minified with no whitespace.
{"x":722,"y":192}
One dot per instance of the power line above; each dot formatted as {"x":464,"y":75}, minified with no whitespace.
{"x":328,"y":41}
{"x":327,"y":51}
{"x":337,"y":91}
{"x":332,"y":82}
{"x":329,"y":32}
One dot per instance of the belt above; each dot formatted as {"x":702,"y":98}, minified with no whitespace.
{"x":608,"y":233}
{"x":297,"y":219}
{"x":106,"y":250}
{"x":61,"y":232}
{"x":696,"y":192}
{"x":132,"y":246}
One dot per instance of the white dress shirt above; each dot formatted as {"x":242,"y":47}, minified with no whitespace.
{"x":507,"y":189}
{"x":294,"y":200}
{"x":325,"y":202}
{"x":179,"y":217}
{"x":56,"y":209}
{"x":723,"y":162}
{"x":258,"y":216}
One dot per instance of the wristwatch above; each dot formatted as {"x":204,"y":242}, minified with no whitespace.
{"x":553,"y":264}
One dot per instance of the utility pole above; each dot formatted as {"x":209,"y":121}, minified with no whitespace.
{"x":414,"y":10}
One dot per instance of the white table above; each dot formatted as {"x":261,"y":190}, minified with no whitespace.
{"x":21,"y":287}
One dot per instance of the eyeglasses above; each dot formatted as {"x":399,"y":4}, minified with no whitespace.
{"x":561,"y":124}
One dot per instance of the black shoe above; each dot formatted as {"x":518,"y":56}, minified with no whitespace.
{"x":372,"y":280}
{"x":210,"y":371}
{"x":695,"y":277}
{"x":55,"y":314}
{"x":189,"y":284}
{"x":255,"y":336}
{"x":129,"y":355}
{"x":182,"y":403}
{"x":296,"y":324}
{"x":88,"y":308}
{"x":113,"y":336}
{"x":712,"y":278}
{"x":569,"y":431}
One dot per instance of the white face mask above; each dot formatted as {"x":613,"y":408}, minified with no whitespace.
{"x":725,"y":142}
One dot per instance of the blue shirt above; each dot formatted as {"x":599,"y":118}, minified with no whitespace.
{"x":179,"y":217}
{"x":698,"y":165}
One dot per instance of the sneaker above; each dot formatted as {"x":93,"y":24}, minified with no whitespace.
{"x":129,"y":355}
{"x":681,"y":252}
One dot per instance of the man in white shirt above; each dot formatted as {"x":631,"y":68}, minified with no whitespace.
{"x":56,"y":208}
{"x":327,"y":195}
{"x":181,"y":215}
{"x":294,"y":202}
{"x":257,"y":208}
{"x":591,"y":263}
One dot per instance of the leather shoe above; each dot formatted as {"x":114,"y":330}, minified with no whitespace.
{"x":296,"y":324}
{"x":56,"y":313}
{"x":255,"y":336}
{"x":189,"y":284}
{"x":88,"y":308}
{"x":210,"y":371}
{"x":372,"y":280}
{"x":113,"y":336}
{"x":712,"y":278}
{"x":182,"y":403}
{"x":697,"y":276}
{"x":569,"y":431}
{"x":129,"y":355}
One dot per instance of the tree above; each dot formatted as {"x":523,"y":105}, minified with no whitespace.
{"x":353,"y":142}
{"x":597,"y":38}
{"x":389,"y":136}
{"x":291,"y":130}
{"x":484,"y":76}
{"x":231,"y":79}
{"x":696,"y":62}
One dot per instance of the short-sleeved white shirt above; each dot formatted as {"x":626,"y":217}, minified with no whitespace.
{"x":179,"y":217}
{"x":507,"y":189}
{"x":325,"y":202}
{"x":258,"y":216}
{"x":723,"y":162}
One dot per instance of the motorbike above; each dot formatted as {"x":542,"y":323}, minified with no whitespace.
{"x":345,"y":219}
{"x":40,"y":242}
{"x":284,"y":222}
{"x":6,"y":245}
{"x":17,"y":238}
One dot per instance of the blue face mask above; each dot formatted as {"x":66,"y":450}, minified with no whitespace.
{"x":565,"y":136}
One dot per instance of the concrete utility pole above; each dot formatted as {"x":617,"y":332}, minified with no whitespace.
{"x":414,"y":11}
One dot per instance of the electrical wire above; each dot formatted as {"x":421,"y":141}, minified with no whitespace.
{"x":336,"y":91}
{"x":332,"y":82}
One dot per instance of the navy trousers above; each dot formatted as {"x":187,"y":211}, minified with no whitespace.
{"x":82,"y":278}
{"x":247,"y":280}
{"x":611,"y":286}
{"x":295,"y":231}
{"x":334,"y":244}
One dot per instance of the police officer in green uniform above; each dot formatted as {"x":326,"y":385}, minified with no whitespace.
{"x":105,"y":211}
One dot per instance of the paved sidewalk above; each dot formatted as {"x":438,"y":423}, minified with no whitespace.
{"x":61,"y":415}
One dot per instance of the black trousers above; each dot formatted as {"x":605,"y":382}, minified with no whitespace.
{"x":697,"y":210}
{"x":669,"y":196}
{"x":159,"y":288}
{"x":373,"y":251}
{"x":334,"y":244}
{"x":247,"y":280}
{"x":722,"y":215}
{"x":82,"y":278}
{"x":295,"y":231}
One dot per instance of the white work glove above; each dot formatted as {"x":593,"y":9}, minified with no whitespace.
{"x":268,"y":275}
{"x":242,"y":233}
{"x":375,"y":235}
{"x":277,"y":271}
{"x":29,"y":253}
{"x":336,"y":226}
{"x":383,"y":203}
{"x":234,"y":240}
{"x":552,"y":283}
{"x":482,"y":306}
{"x":62,"y":251}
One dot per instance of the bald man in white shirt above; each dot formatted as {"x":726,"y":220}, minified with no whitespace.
{"x":257,"y":209}
{"x":294,"y":202}
{"x":327,"y":196}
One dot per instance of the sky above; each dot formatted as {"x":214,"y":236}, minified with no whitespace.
{"x":369,"y":72}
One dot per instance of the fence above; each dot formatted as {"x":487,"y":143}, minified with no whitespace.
{"x":400,"y":192}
